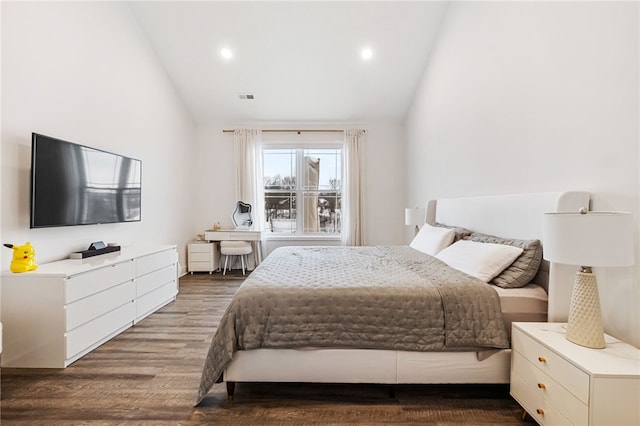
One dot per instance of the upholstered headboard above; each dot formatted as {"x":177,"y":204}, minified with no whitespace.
{"x":516,"y":216}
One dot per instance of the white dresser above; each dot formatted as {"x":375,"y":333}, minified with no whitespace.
{"x":560,"y":383}
{"x":203,"y":256}
{"x":56,"y":314}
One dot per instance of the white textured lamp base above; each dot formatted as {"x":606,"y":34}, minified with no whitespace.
{"x":585,"y":321}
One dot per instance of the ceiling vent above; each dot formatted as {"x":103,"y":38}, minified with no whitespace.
{"x":245,"y":96}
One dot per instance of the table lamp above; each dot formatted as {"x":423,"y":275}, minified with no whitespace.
{"x":414,"y":217}
{"x":588,"y":239}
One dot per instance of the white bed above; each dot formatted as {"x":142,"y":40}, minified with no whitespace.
{"x":510,"y":216}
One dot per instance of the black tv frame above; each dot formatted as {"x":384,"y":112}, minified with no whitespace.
{"x":38,"y":138}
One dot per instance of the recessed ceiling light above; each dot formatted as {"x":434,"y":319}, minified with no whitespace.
{"x":366,"y":53}
{"x":226,"y":53}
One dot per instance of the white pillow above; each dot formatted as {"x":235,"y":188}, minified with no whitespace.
{"x":432,"y":239}
{"x":481,"y":260}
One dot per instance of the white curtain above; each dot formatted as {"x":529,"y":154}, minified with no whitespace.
{"x":247,"y":146}
{"x":352,"y":202}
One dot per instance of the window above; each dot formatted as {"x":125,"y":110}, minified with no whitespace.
{"x":303,"y":190}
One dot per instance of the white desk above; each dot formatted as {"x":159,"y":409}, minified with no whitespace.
{"x":254,"y":236}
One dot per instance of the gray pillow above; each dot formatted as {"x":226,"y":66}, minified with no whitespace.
{"x":523,"y":269}
{"x":461,"y":233}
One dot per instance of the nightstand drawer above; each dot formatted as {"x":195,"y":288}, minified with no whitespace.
{"x":200,"y":248}
{"x":568,"y":375}
{"x":201,"y":267}
{"x":536,"y":382}
{"x":200,"y":256}
{"x":540,"y":409}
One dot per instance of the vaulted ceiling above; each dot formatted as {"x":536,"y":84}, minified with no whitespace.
{"x":301,"y":61}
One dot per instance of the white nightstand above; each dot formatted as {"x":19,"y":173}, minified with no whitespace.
{"x":202,"y":257}
{"x":560,"y":383}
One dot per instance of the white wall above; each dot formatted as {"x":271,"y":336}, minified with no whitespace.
{"x":84,"y":72}
{"x":383,"y":177}
{"x":525,"y":97}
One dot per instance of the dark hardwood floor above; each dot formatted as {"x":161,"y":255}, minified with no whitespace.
{"x":149,"y":375}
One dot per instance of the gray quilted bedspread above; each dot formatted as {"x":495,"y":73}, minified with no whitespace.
{"x":384,"y":297}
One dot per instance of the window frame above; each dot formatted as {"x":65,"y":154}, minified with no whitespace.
{"x":299,"y":190}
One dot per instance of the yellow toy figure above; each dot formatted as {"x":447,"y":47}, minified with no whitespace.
{"x":23,"y":258}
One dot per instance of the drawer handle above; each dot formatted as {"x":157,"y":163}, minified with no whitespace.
{"x":542,"y":359}
{"x":541,"y":386}
{"x":540,"y":411}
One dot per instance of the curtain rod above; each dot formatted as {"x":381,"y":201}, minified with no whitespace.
{"x":298,"y":131}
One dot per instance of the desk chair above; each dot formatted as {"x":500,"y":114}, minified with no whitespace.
{"x":235,"y":248}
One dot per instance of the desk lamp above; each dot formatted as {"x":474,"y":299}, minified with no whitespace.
{"x":415,"y":217}
{"x":588,"y":239}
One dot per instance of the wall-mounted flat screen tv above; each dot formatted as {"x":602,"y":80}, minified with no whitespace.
{"x":72,"y":184}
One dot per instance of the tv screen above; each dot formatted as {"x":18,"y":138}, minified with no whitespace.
{"x":73,"y":184}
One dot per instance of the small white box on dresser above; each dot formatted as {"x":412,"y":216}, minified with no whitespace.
{"x":560,"y":383}
{"x":203,"y":256}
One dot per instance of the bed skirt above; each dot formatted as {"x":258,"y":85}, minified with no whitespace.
{"x":367,"y":366}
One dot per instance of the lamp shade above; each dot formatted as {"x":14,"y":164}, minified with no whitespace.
{"x":589,"y":239}
{"x":414,"y":216}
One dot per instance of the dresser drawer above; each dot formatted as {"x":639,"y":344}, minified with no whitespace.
{"x":151,"y":262}
{"x":155,"y":279}
{"x":155,"y":299}
{"x":538,"y":383}
{"x":91,"y":307}
{"x":540,"y":409}
{"x":568,"y":375}
{"x":101,"y":329}
{"x":88,"y":283}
